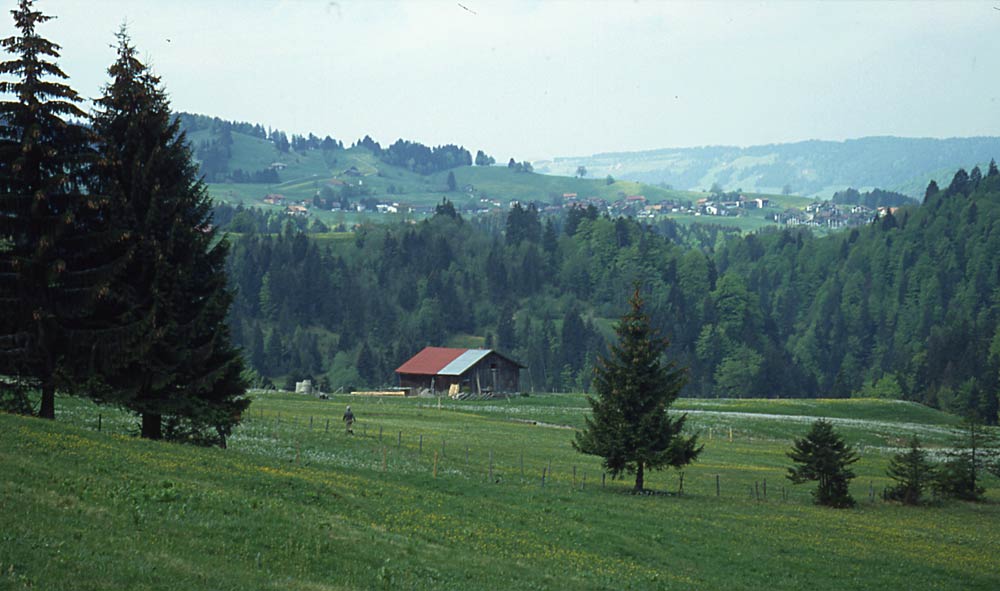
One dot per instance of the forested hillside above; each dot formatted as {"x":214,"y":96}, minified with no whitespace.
{"x":904,"y":307}
{"x":353,"y":307}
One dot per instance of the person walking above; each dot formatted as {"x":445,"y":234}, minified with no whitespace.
{"x":349,"y":421}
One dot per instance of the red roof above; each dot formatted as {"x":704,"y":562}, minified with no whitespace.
{"x":430,"y":361}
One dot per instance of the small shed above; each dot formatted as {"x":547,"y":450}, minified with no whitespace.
{"x":479,"y":371}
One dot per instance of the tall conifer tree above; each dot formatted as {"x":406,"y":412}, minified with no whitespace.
{"x":57,"y":251}
{"x":188,"y":373}
{"x":630,"y":427}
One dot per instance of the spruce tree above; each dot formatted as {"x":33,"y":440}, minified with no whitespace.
{"x":188,"y":371}
{"x":629,"y":426}
{"x":57,"y":251}
{"x":913,"y":473}
{"x":972,"y":453}
{"x":823,"y":456}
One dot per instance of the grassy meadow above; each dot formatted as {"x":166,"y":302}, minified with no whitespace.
{"x":451,"y":496}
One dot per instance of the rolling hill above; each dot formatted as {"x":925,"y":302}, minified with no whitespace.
{"x":811,"y":168}
{"x":301,"y":173}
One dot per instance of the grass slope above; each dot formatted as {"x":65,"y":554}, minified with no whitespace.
{"x":306,"y":173}
{"x":293,"y":506}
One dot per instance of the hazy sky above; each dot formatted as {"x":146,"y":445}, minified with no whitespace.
{"x":534,"y":80}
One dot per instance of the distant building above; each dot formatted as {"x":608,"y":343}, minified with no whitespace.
{"x":479,"y":371}
{"x":274,"y":198}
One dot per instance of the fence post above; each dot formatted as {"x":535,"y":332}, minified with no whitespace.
{"x":491,"y":465}
{"x":443,"y":441}
{"x":99,"y":418}
{"x":765,"y":489}
{"x":603,"y":475}
{"x":399,"y":440}
{"x":420,"y":449}
{"x":310,"y":422}
{"x":380,"y":433}
{"x":756,"y":491}
{"x":718,"y":489}
{"x":680,"y":489}
{"x":543,"y":477}
{"x":327,"y":426}
{"x":435,"y":464}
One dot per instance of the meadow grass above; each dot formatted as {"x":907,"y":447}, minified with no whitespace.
{"x":293,"y":504}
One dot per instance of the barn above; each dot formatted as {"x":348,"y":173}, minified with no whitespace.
{"x":478,"y":371}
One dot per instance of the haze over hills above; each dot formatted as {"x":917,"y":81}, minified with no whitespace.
{"x":810,"y":168}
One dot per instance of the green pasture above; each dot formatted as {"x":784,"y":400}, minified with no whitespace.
{"x":430,"y":494}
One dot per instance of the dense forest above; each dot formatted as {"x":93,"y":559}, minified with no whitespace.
{"x":904,"y":308}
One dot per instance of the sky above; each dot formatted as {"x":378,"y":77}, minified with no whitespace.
{"x":537,"y":79}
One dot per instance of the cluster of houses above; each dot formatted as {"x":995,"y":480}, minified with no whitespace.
{"x":626,"y":205}
{"x":727,"y":205}
{"x":296,"y":208}
{"x":826,"y":214}
{"x":301,"y":208}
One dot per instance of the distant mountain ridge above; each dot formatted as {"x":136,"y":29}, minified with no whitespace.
{"x":810,"y":168}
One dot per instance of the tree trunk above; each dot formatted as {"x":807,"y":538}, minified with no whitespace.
{"x":639,"y":478}
{"x":152,"y":426}
{"x":48,"y":408}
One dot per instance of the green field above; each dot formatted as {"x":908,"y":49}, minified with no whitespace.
{"x":292,"y":505}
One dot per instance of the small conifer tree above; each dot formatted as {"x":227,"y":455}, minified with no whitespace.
{"x":973,"y":452}
{"x":823,"y":456}
{"x":913,"y":473}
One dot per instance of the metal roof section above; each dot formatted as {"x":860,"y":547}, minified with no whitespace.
{"x":463,"y":362}
{"x":430,"y":360}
